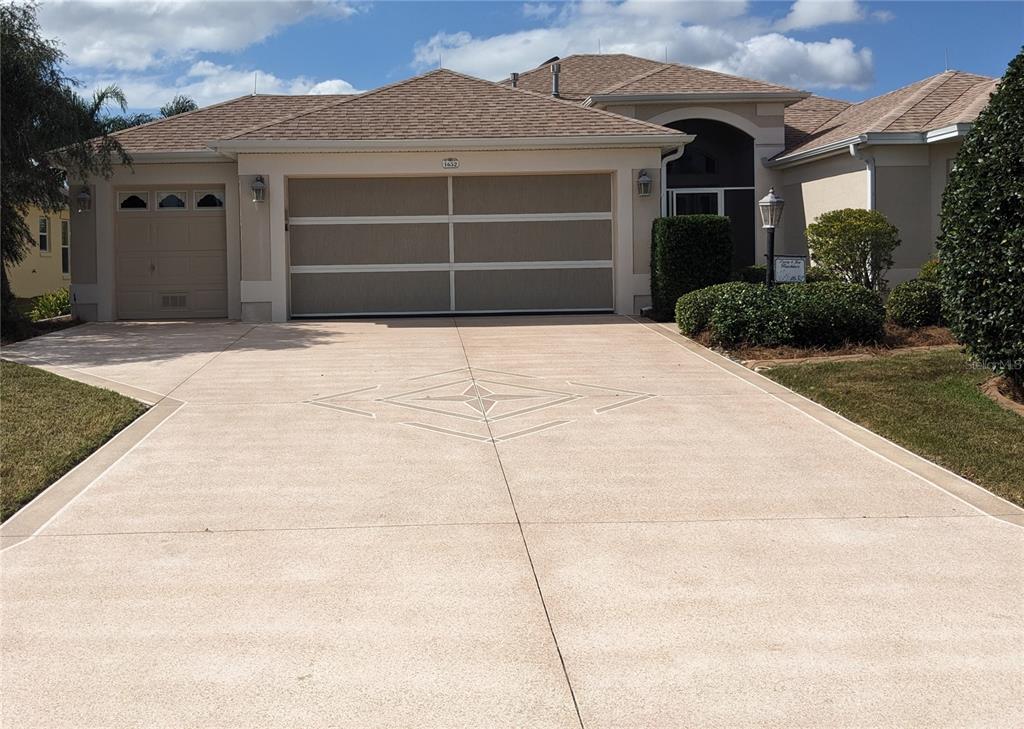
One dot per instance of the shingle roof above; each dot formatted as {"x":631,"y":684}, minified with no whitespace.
{"x":443,"y":104}
{"x":947,"y":98}
{"x":582,"y":76}
{"x":808,"y":114}
{"x":191,"y":131}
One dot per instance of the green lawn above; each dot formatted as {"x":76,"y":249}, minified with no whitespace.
{"x":47,"y":425}
{"x":928,"y":402}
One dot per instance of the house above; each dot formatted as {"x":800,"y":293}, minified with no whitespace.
{"x":446,"y":193}
{"x":47,"y":264}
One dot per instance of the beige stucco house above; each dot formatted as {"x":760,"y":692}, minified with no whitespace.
{"x":446,"y":193}
{"x":47,"y":263}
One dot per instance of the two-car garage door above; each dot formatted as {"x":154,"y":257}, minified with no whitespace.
{"x":441,"y":244}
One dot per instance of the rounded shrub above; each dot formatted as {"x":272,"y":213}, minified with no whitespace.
{"x":829,"y":313}
{"x":854,"y":245}
{"x":916,"y":303}
{"x":817,"y":273}
{"x":751,"y":314}
{"x":693,"y":310}
{"x":930,"y":270}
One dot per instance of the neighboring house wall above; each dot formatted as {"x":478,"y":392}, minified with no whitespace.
{"x":44,"y":270}
{"x":941,"y":157}
{"x":818,"y":187}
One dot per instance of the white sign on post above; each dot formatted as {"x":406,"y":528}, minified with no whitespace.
{"x":449,"y":164}
{"x":790,"y":269}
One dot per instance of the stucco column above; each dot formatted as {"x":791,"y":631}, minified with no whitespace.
{"x":278,"y":248}
{"x":624,"y":240}
{"x":105,"y":293}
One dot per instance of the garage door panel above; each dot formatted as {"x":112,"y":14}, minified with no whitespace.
{"x":522,"y":194}
{"x":171,"y":264}
{"x":525,"y":289}
{"x":376,"y":292}
{"x":133,"y":234}
{"x":567,"y":240}
{"x":313,"y":245}
{"x":350,"y":197}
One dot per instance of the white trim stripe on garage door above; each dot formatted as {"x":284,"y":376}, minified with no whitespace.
{"x":508,"y":218}
{"x":488,"y":266}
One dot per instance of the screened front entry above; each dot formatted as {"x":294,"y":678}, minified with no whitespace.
{"x":715,"y":176}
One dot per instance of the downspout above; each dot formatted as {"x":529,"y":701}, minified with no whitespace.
{"x":869,"y":163}
{"x":664,"y":177}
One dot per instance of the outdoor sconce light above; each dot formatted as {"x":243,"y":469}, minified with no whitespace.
{"x":84,"y":199}
{"x":771,"y":214}
{"x":259,"y":189}
{"x":643,"y":184}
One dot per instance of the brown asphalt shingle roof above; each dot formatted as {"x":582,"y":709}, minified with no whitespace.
{"x":192,"y":131}
{"x":947,"y":98}
{"x":584,"y":75}
{"x":806,"y":115}
{"x":443,"y":104}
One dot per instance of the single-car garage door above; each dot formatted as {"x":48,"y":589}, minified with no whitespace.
{"x":441,"y":244}
{"x":171,"y":253}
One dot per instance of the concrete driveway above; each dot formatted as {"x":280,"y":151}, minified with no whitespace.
{"x":494,"y":522}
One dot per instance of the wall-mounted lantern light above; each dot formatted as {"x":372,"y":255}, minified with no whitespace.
{"x":771,"y":215}
{"x":259,"y":189}
{"x":84,"y":199}
{"x":643,"y":184}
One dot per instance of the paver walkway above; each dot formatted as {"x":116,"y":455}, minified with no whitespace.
{"x":495,"y":522}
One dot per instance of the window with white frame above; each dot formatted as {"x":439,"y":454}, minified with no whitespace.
{"x":44,"y":235}
{"x":65,"y":247}
{"x":173,"y":200}
{"x":208,"y":199}
{"x":133,"y":201}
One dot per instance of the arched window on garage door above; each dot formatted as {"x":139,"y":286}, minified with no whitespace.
{"x":715,"y":175}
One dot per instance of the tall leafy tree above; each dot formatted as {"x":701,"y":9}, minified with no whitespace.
{"x":49,"y":133}
{"x":981,"y":247}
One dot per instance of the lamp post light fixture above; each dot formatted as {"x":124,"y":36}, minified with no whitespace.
{"x":771,"y":215}
{"x":259,"y":189}
{"x":643,"y":184}
{"x":84,"y":199}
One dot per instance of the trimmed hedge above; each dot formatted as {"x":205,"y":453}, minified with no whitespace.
{"x":693,"y":310}
{"x":688,"y":252}
{"x":916,"y":303}
{"x":827,"y":313}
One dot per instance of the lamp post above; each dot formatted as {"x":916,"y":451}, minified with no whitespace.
{"x":771,"y":213}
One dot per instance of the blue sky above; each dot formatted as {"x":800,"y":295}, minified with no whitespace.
{"x":210,"y":49}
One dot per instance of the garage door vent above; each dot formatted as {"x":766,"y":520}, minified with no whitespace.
{"x":173,"y":301}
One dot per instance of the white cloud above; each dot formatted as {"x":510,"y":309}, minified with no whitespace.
{"x":208,"y":83}
{"x":814,"y":13}
{"x":831,"y":64}
{"x":137,"y":36}
{"x":883,"y":16}
{"x":538,"y":10}
{"x":719,"y":36}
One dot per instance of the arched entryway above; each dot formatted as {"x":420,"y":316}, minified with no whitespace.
{"x":715,"y":175}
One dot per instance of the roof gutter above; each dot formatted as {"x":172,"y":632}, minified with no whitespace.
{"x":773,"y":96}
{"x":953,"y":131}
{"x":857,"y":152}
{"x":663,"y":141}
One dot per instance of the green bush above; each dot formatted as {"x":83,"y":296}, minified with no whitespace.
{"x":816,"y":274}
{"x":751,"y":274}
{"x":752,"y":314}
{"x":827,"y":314}
{"x":854,"y":245}
{"x":930,"y":270}
{"x":51,"y":304}
{"x":982,"y":240}
{"x":693,"y":310}
{"x":916,"y":303}
{"x":688,"y":252}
